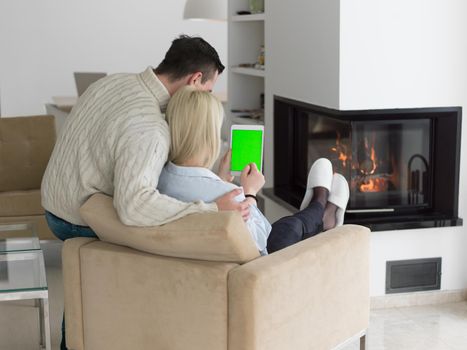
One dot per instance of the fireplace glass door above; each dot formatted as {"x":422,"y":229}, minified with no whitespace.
{"x":391,"y":164}
{"x":386,"y":162}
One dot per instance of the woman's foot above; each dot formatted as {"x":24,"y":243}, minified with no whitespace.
{"x":320,"y":176}
{"x":338,"y":199}
{"x":329,"y":217}
{"x":320,"y":195}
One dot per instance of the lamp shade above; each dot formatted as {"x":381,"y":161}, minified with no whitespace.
{"x":206,"y":9}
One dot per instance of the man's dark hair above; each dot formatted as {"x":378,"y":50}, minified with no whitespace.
{"x":189,"y":55}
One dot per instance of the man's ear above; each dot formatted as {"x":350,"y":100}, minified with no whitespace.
{"x":195,"y":78}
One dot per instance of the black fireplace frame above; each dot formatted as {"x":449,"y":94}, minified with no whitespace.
{"x":445,"y":166}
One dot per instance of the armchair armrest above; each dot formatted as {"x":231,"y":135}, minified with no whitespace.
{"x":72,"y":284}
{"x":314,"y":293}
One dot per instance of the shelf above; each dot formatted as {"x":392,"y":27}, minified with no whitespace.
{"x":248,"y":18}
{"x":248,"y":71}
{"x":249,"y":121}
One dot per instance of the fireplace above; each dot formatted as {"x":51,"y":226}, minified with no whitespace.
{"x":402,"y":165}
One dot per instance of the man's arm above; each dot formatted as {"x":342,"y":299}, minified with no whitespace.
{"x":140,"y":156}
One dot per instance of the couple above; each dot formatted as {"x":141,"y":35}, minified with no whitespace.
{"x":116,"y":141}
{"x":195,"y":119}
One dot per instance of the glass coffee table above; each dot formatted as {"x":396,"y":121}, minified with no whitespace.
{"x":22,"y":272}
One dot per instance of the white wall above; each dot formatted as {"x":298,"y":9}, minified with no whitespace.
{"x":302,"y":50}
{"x":397,"y":54}
{"x":302,"y":58}
{"x":43,"y":42}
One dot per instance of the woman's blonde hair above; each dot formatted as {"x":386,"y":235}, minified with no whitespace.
{"x":195,"y":120}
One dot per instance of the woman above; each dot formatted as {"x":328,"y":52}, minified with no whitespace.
{"x":195,"y":120}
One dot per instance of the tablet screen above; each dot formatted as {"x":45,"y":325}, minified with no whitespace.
{"x":247,"y":148}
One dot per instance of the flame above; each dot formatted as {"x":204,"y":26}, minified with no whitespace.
{"x":341,"y":150}
{"x":372,"y":182}
{"x":373,"y":159}
{"x":343,"y":158}
{"x":378,"y":184}
{"x":368,"y":178}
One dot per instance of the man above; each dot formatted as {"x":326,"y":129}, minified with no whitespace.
{"x":116,"y":141}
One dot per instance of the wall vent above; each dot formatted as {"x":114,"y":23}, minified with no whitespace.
{"x":413,"y":275}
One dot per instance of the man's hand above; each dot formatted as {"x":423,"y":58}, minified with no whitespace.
{"x":251,"y":179}
{"x":228,"y":202}
{"x":224,"y":167}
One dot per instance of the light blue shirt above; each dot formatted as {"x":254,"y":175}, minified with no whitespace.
{"x":191,"y":184}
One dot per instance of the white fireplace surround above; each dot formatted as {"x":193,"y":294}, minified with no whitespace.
{"x":372,"y":54}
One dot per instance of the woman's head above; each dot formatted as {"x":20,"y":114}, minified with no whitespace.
{"x":195,"y":120}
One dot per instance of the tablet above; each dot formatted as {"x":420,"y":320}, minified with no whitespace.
{"x":247,"y":143}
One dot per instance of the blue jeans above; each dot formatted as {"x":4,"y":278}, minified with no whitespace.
{"x":64,"y":230}
{"x":293,"y":229}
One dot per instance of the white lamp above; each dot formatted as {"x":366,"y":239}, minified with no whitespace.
{"x":215,"y":10}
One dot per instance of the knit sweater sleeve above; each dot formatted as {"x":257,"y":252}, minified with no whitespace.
{"x":140,"y":155}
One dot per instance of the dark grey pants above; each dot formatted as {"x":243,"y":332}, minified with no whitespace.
{"x":295,"y":228}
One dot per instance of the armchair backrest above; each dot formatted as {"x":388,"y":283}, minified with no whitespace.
{"x":26,"y":144}
{"x":221,"y":236}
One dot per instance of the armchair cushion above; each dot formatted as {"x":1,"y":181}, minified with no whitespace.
{"x":219,"y":236}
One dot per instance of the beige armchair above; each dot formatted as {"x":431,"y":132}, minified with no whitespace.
{"x":199,"y":284}
{"x":25,"y":147}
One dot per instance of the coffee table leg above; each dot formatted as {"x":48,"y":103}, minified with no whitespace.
{"x":44,"y":323}
{"x":38,"y":303}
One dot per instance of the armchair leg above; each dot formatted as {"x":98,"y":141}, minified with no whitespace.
{"x":363,"y":342}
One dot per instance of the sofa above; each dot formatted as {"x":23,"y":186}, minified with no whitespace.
{"x":26,"y":144}
{"x":199,"y":284}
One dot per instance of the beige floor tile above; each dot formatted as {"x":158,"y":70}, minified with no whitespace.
{"x":430,"y":327}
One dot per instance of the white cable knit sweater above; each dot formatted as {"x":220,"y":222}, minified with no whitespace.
{"x":115,"y":141}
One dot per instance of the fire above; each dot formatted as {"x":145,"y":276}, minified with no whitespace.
{"x":368,"y":165}
{"x":371,"y":178}
{"x":377,"y":184}
{"x":373,"y":159}
{"x":343,"y":158}
{"x":341,"y":150}
{"x":368,"y":177}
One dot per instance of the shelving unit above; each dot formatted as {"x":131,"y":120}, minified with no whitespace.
{"x":248,"y":71}
{"x":245,"y":85}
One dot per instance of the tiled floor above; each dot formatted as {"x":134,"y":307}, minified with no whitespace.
{"x":19,"y":321}
{"x":438,"y":327}
{"x":434,"y":327}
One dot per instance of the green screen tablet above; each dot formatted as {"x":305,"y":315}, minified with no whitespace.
{"x":247,"y":147}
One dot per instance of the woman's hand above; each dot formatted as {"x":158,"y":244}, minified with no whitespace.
{"x":251,"y":179}
{"x":224,"y":167}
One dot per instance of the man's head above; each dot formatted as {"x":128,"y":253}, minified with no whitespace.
{"x":190,"y":61}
